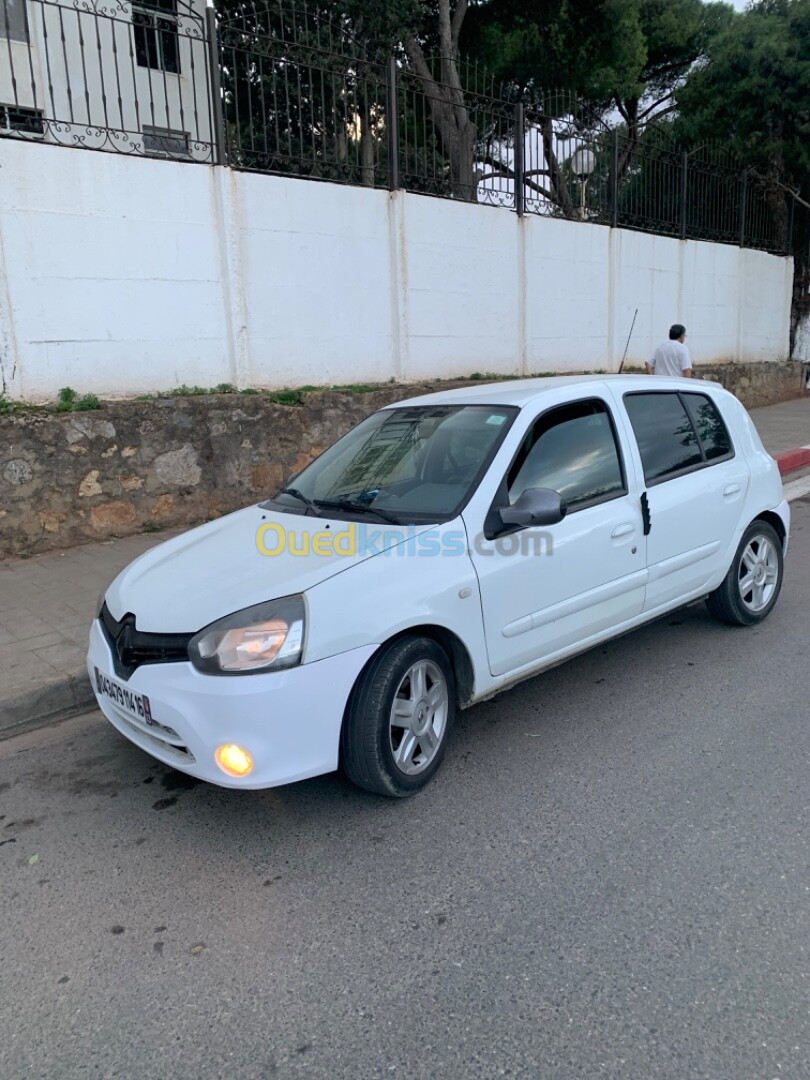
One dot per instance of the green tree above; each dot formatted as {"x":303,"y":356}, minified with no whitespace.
{"x":305,"y":87}
{"x":425,"y":37}
{"x":753,"y":95}
{"x":617,"y":58}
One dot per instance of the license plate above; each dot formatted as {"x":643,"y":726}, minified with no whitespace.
{"x":136,"y":704}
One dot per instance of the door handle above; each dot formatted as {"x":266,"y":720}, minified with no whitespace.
{"x":731,"y":489}
{"x":622,"y":530}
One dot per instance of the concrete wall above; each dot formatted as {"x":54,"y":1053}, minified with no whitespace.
{"x":125,"y":275}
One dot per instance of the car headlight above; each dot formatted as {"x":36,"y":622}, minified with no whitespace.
{"x":267,"y":637}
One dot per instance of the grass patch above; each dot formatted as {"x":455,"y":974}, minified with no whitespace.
{"x":285,"y":397}
{"x":7,"y":407}
{"x":65,"y":399}
{"x":69,"y":401}
{"x":358,"y":388}
{"x":188,"y":391}
{"x":194,"y":391}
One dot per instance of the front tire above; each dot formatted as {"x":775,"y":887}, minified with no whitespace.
{"x":398,"y":718}
{"x":751,"y":588}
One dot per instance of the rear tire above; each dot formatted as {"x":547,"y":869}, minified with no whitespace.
{"x":398,"y":718}
{"x":751,"y":588}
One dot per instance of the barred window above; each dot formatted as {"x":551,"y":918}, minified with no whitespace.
{"x":16,"y":118}
{"x":13,"y":20}
{"x":156,"y":35}
{"x":165,"y":141}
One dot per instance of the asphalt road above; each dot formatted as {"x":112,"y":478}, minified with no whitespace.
{"x":610,"y":877}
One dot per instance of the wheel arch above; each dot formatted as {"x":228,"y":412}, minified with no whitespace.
{"x":774,"y":520}
{"x":457,"y":653}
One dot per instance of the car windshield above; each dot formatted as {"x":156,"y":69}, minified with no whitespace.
{"x":406,"y":465}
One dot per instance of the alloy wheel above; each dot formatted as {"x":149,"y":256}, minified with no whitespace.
{"x":418,"y":717}
{"x":758,"y":573}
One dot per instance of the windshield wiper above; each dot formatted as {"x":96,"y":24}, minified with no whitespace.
{"x":296,"y":494}
{"x":359,"y":508}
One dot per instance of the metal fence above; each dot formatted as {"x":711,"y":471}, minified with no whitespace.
{"x":108,"y":75}
{"x":284,"y":88}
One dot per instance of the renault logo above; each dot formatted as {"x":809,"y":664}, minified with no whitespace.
{"x":123,"y":644}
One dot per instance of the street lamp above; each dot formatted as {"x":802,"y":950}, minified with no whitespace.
{"x":583,"y":162}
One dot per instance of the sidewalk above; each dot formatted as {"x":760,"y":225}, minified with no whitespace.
{"x":785,"y":431}
{"x":46,"y":606}
{"x":47,"y":602}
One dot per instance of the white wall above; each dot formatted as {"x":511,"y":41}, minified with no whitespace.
{"x":127,"y":275}
{"x":458,"y":296}
{"x":568,"y":295}
{"x":315,"y":278}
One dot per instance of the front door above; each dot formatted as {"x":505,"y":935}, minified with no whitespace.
{"x":546,"y":590}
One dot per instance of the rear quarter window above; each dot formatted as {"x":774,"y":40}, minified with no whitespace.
{"x":709,"y":424}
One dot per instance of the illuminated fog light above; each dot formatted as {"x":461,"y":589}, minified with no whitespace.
{"x":234,"y":760}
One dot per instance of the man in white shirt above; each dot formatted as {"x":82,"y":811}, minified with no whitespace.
{"x":672,"y":357}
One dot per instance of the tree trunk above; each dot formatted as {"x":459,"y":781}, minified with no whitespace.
{"x":462,"y":165}
{"x":560,"y":192}
{"x":367,"y":137}
{"x":631,"y":142}
{"x":456,"y":131}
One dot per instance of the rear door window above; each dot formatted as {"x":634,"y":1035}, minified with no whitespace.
{"x":676,"y":432}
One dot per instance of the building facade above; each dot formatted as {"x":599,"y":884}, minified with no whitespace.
{"x":108,"y":74}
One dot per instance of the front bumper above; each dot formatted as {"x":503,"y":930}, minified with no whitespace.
{"x":289,"y":720}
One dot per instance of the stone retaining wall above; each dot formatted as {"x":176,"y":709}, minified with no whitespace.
{"x":66,"y":478}
{"x":757,"y":384}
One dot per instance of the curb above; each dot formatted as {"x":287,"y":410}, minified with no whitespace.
{"x":67,"y":696}
{"x":792,"y":460}
{"x":54,"y":701}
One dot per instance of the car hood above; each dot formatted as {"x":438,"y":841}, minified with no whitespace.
{"x":212,"y":571}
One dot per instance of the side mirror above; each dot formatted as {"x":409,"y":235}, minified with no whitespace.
{"x":536,"y":506}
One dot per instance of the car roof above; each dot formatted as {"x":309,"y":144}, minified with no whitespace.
{"x":522,"y":392}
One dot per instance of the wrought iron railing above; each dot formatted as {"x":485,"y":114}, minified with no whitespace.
{"x":278,"y":87}
{"x":107,"y":74}
{"x":299,"y":99}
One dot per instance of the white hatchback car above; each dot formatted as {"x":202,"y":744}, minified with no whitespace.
{"x":446,"y":548}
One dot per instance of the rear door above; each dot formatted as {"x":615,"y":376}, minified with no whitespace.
{"x":695,"y":489}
